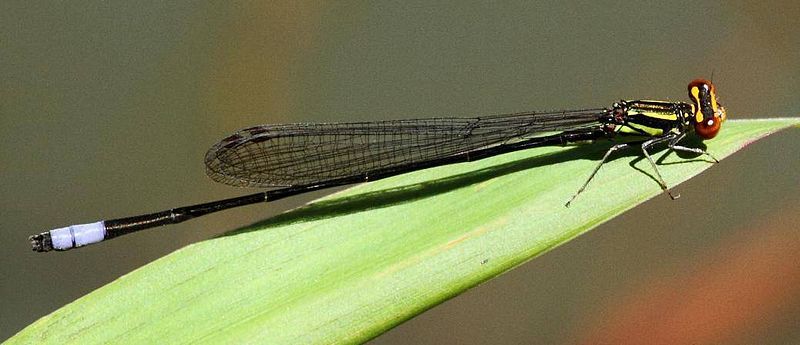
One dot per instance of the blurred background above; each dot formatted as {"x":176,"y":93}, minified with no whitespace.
{"x":107,"y":108}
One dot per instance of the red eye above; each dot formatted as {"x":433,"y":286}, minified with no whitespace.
{"x":701,"y":84}
{"x":708,"y":129}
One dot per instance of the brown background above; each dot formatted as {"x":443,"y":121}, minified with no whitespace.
{"x":106,"y":110}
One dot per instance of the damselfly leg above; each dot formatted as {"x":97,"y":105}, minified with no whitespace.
{"x":673,"y":146}
{"x":594,"y":172}
{"x":648,"y":144}
{"x":672,"y":139}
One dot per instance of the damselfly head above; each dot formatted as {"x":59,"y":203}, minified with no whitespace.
{"x":708,"y":113}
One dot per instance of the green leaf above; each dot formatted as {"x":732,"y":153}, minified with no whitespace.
{"x":354,"y":264}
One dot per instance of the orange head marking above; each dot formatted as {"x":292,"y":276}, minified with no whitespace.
{"x":708,"y":113}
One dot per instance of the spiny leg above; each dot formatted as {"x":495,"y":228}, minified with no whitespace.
{"x":673,"y":146}
{"x":646,"y":145}
{"x":602,"y":161}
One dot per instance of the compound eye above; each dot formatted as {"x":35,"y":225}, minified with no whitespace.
{"x":708,"y":128}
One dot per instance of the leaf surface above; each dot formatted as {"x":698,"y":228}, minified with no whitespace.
{"x":352,"y":265}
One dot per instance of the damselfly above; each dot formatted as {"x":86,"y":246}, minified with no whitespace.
{"x":307,"y":157}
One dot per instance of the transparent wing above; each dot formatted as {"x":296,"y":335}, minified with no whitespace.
{"x":301,"y":154}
